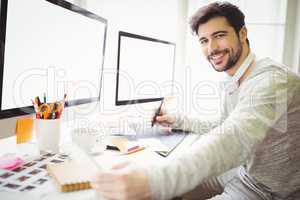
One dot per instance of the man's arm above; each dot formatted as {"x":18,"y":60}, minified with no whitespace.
{"x":196,"y":125}
{"x":226,"y":146}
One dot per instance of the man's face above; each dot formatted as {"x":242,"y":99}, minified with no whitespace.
{"x":220,"y":43}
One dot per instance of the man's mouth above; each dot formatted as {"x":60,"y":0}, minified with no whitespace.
{"x":217,"y":58}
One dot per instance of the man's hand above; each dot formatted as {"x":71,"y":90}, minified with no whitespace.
{"x":165,"y":119}
{"x":123,"y":182}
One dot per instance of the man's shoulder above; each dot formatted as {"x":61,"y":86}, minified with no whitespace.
{"x":269,"y":75}
{"x":267,"y":65}
{"x":268,"y":68}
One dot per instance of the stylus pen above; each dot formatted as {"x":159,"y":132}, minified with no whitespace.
{"x":157,"y":112}
{"x":178,"y":130}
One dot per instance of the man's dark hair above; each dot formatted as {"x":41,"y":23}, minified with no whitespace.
{"x":234,"y":16}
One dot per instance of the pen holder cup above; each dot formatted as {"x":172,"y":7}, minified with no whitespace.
{"x":48,"y":134}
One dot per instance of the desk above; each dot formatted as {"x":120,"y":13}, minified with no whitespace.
{"x":28,"y":150}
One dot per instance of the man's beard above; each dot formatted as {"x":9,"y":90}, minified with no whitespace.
{"x":233,"y":57}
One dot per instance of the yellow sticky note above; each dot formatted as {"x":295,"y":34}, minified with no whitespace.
{"x":24,"y":129}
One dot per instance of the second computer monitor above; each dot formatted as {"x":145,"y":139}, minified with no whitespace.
{"x":145,"y":69}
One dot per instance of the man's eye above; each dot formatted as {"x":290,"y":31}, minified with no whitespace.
{"x":203,"y":42}
{"x":219,"y":35}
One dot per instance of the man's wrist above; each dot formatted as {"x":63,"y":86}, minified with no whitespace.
{"x":178,"y":121}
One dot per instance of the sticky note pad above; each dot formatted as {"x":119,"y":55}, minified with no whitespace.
{"x":24,"y":129}
{"x":10,"y":162}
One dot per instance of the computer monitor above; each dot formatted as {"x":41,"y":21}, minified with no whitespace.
{"x":145,"y":69}
{"x":49,"y":47}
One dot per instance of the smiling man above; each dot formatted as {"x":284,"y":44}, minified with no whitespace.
{"x":220,"y":44}
{"x":252,"y":152}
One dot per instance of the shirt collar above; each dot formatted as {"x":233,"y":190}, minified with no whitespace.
{"x":242,"y":69}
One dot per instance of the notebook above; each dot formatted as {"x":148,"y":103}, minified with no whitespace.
{"x":74,"y":174}
{"x":69,"y":176}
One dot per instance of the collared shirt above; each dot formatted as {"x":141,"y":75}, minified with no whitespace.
{"x":260,"y":131}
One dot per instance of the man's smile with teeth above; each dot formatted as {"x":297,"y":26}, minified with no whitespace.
{"x":217,"y":56}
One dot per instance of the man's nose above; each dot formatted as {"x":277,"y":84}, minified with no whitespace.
{"x":212,"y":46}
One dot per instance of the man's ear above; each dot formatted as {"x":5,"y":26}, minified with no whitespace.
{"x":243,"y":34}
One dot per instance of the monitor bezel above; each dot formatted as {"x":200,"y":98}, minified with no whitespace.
{"x":7,"y":113}
{"x":136,"y":36}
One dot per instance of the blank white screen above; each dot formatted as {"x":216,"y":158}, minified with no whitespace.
{"x":50,"y":49}
{"x":145,"y":69}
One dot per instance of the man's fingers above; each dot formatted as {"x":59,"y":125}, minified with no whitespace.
{"x":162,"y":118}
{"x":167,"y":119}
{"x":104,"y":177}
{"x":122,"y":182}
{"x":106,"y":187}
{"x":110,"y":190}
{"x":111,"y":175}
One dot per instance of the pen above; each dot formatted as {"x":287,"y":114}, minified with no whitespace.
{"x":170,"y":130}
{"x":37,"y":100}
{"x":55,"y":110}
{"x":34,"y":106}
{"x":64,"y":100}
{"x":52,"y":113}
{"x":37,"y":113}
{"x":45,"y":100}
{"x":157,"y":113}
{"x":178,"y":130}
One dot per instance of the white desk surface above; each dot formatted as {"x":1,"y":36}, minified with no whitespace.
{"x":29,"y":150}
